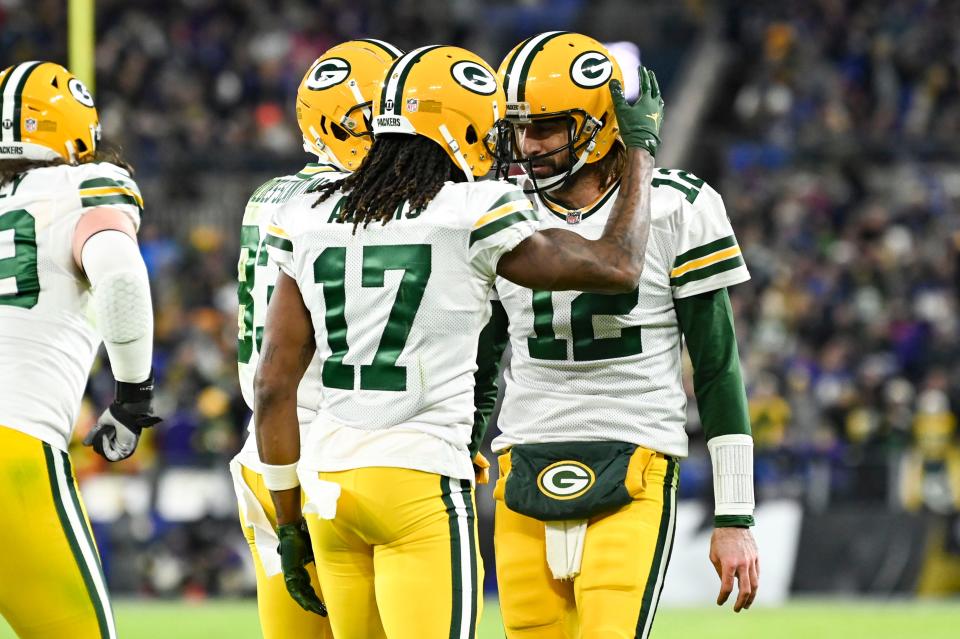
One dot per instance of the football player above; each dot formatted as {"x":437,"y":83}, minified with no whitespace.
{"x":386,"y":275}
{"x":333,"y":111}
{"x":592,"y":420}
{"x":71,"y":275}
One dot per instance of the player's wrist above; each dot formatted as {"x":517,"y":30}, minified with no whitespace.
{"x":733,"y":521}
{"x":134,"y":392}
{"x":732,"y":459}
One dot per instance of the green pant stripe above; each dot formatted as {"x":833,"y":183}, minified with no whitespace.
{"x":456,"y":611}
{"x":648,"y":607}
{"x":467,"y":492}
{"x":100,"y":606}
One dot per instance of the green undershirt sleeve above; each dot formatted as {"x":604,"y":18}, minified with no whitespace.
{"x":492,"y":342}
{"x":706,"y":321}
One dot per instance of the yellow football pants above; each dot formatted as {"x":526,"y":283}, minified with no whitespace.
{"x":51,"y":582}
{"x":625,"y":558}
{"x":401,"y":558}
{"x":280,"y":616}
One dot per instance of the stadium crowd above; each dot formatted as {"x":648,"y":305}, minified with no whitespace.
{"x":832,"y":159}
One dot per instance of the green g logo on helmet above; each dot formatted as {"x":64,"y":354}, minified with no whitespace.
{"x":591,"y":69}
{"x":473,"y":77}
{"x":328,"y":73}
{"x":566,"y":479}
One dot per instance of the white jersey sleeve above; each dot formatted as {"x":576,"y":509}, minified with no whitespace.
{"x":506,"y":222}
{"x":105,"y":184}
{"x":706,"y":254}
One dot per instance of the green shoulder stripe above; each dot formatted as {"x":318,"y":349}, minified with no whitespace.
{"x":107,"y":182}
{"x":279,"y":242}
{"x":116,"y":198}
{"x":704,"y":250}
{"x":707,"y":271}
{"x":500,"y":224}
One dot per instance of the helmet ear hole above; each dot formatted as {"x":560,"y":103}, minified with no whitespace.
{"x":338,"y":131}
{"x":80,"y":145}
{"x":55,"y":83}
{"x":471,"y":135}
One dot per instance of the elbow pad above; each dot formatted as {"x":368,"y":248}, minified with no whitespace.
{"x":121,"y":302}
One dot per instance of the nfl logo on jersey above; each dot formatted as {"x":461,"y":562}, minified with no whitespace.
{"x":573,"y":217}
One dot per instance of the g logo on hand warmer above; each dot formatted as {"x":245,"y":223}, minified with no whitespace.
{"x":566,"y":479}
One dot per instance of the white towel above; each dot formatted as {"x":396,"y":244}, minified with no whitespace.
{"x":565,"y":546}
{"x":264,"y":536}
{"x":321,"y":496}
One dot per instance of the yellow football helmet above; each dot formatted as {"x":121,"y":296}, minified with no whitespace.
{"x":333,"y":101}
{"x":557,"y":74}
{"x":449,"y":95}
{"x":46,"y":113}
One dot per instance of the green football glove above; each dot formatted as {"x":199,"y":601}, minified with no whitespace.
{"x":295,"y":553}
{"x":640,"y":123}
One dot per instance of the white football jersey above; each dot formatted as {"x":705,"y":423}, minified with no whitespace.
{"x":397,"y":311}
{"x":47,"y":338}
{"x":256,"y":277}
{"x":588,"y":367}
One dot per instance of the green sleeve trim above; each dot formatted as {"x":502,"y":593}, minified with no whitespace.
{"x":490,"y":347}
{"x":706,"y":321}
{"x":101,"y":200}
{"x":501,"y":223}
{"x":707,"y":271}
{"x":279,"y":243}
{"x":705,"y":250}
{"x":733,"y":521}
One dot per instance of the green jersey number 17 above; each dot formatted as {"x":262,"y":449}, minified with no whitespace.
{"x":329,"y":270}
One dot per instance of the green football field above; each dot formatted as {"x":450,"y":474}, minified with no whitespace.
{"x":821,"y":619}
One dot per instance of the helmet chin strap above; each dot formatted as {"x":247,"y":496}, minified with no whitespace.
{"x":321,"y":150}
{"x":455,"y":148}
{"x":554,"y":182}
{"x":71,"y":151}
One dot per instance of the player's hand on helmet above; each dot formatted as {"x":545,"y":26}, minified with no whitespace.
{"x":117,"y":432}
{"x":295,"y":553}
{"x":640,"y":122}
{"x":733,"y":553}
{"x":481,"y":468}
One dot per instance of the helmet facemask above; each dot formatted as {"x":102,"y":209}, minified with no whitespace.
{"x":582,"y":129}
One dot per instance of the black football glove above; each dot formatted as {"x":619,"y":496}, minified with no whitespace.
{"x":117,"y":432}
{"x":295,"y":553}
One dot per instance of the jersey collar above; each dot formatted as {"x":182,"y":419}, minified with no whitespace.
{"x":573,"y":216}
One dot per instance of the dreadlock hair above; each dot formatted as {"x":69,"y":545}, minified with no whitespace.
{"x":398,"y":169}
{"x":10,"y":170}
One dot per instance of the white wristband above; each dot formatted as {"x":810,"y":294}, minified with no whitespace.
{"x":732,"y":457}
{"x":280,"y":477}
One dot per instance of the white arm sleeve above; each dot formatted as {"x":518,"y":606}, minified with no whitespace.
{"x":121,"y":302}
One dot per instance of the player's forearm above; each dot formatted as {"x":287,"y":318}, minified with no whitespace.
{"x":278,"y":439}
{"x":492,"y":343}
{"x":706,"y":321}
{"x":614,"y":262}
{"x":625,"y":235}
{"x":121,"y":302}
